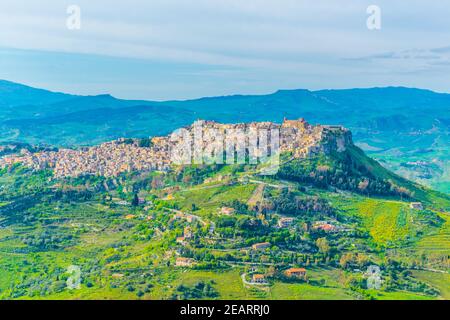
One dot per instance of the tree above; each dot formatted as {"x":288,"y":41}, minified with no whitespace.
{"x":346,"y":260}
{"x":323,"y":245}
{"x":187,"y":179}
{"x":362,"y":260}
{"x":135,"y":201}
{"x":157,"y":182}
{"x":362,"y":186}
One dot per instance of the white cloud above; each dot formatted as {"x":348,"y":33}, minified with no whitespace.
{"x":250,"y":28}
{"x":288,"y":39}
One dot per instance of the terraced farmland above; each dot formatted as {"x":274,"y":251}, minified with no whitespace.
{"x":440,"y":241}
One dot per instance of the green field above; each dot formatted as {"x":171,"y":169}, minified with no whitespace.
{"x":285,"y":291}
{"x":438,"y":241}
{"x":440,"y":281}
{"x":209,"y":197}
{"x":388,"y":221}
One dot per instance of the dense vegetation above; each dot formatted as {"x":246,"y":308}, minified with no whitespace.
{"x":346,"y":171}
{"x":124,"y":233}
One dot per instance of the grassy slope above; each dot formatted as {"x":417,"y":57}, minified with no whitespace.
{"x":287,"y":291}
{"x":435,"y":198}
{"x":439,"y":241}
{"x":213,"y":196}
{"x":388,"y":222}
{"x":440,"y":281}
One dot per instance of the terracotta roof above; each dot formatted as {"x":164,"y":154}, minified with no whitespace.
{"x":296,"y":270}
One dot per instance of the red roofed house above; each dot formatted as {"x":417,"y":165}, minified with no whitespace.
{"x":181,"y":240}
{"x":261,"y":246}
{"x":259,"y":278}
{"x":227,"y":211}
{"x":296,"y":272}
{"x":325,"y":227}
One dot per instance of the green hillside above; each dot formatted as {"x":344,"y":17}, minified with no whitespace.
{"x":129,"y":250}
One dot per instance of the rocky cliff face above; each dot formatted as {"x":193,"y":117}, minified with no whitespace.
{"x":305,"y":140}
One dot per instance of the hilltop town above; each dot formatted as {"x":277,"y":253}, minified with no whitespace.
{"x":125,"y":155}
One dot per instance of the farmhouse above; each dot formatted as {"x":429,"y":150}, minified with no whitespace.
{"x":259,"y":278}
{"x":416,"y":205}
{"x":296,"y":272}
{"x":285,"y":222}
{"x":261,"y":246}
{"x":181,"y":240}
{"x":227,"y":211}
{"x":184,"y":262}
{"x":327,"y":227}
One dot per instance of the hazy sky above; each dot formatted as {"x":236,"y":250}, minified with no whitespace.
{"x":175,"y":49}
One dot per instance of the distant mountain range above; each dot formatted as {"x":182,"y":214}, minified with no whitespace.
{"x":406,"y":129}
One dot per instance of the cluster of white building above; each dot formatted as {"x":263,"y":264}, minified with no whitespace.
{"x":123,"y":155}
{"x":108,"y":159}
